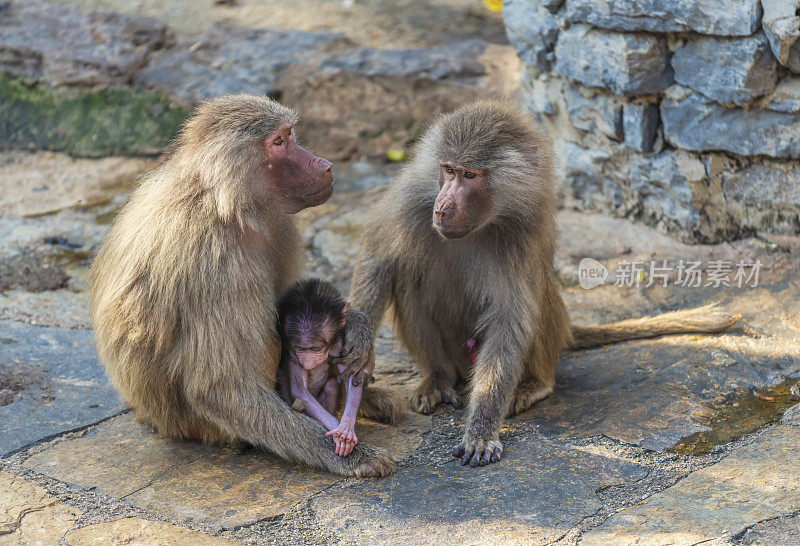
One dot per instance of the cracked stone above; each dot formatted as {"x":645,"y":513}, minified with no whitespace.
{"x":223,"y":487}
{"x":537,"y":492}
{"x":783,"y":531}
{"x":68,"y":387}
{"x":29,"y":515}
{"x":140,"y":531}
{"x":625,"y":64}
{"x":755,"y":482}
{"x":782,"y":26}
{"x":721,"y":17}
{"x":694,"y":122}
{"x":726,"y":70}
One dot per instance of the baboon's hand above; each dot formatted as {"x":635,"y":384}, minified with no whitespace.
{"x":476,"y":452}
{"x":358,"y":354}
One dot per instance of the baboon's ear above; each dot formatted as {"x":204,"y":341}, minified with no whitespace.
{"x":345,"y":309}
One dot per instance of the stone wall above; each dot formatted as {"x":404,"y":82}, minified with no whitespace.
{"x":683,"y":114}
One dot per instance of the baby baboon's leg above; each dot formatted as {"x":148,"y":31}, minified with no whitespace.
{"x":329,"y":396}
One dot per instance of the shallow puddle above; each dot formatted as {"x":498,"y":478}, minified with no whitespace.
{"x":739,"y":416}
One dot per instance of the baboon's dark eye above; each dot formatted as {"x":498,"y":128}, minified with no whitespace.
{"x":448,"y":169}
{"x":278,"y":141}
{"x":469,"y":174}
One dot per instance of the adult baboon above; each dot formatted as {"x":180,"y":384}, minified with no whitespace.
{"x":183,"y":289}
{"x":462,"y":246}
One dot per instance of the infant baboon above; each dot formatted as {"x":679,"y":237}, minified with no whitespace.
{"x":311,"y":322}
{"x":183,"y":289}
{"x":462,"y":247}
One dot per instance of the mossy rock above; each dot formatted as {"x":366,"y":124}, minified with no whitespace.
{"x":84,"y":122}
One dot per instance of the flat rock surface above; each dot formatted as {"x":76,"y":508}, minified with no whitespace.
{"x":50,"y":382}
{"x":44,"y":183}
{"x":717,"y":501}
{"x":536,"y":494}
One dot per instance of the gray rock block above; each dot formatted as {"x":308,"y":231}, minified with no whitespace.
{"x":532,"y":29}
{"x":781,"y":24}
{"x":718,"y":17}
{"x":785,"y":97}
{"x":597,"y":112}
{"x":64,"y":46}
{"x":764,"y":185}
{"x":640,"y":123}
{"x":50,"y":382}
{"x":694,"y":122}
{"x":590,"y":180}
{"x":664,"y":183}
{"x":535,"y":96}
{"x":727,"y":70}
{"x":626,"y":64}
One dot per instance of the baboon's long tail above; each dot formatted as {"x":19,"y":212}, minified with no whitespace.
{"x":709,"y":319}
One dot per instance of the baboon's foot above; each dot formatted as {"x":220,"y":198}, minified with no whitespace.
{"x":527,"y":395}
{"x":432,"y":393}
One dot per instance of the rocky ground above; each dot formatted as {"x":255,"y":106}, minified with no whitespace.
{"x":676,"y":440}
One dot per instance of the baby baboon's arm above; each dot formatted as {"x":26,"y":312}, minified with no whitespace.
{"x":345,"y":432}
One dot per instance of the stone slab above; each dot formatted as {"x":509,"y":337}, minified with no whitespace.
{"x":594,"y":112}
{"x":532,"y":29}
{"x":223,"y":487}
{"x":625,"y":64}
{"x":755,"y":482}
{"x":534,"y":495}
{"x":53,"y":383}
{"x":217,"y":486}
{"x":140,"y":531}
{"x":726,"y":70}
{"x":694,"y":122}
{"x":29,"y":515}
{"x":233,"y":59}
{"x":721,"y":17}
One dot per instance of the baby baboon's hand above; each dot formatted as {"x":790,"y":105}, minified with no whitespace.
{"x":345,"y":437}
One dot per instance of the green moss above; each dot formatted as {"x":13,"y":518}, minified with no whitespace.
{"x":90,"y":123}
